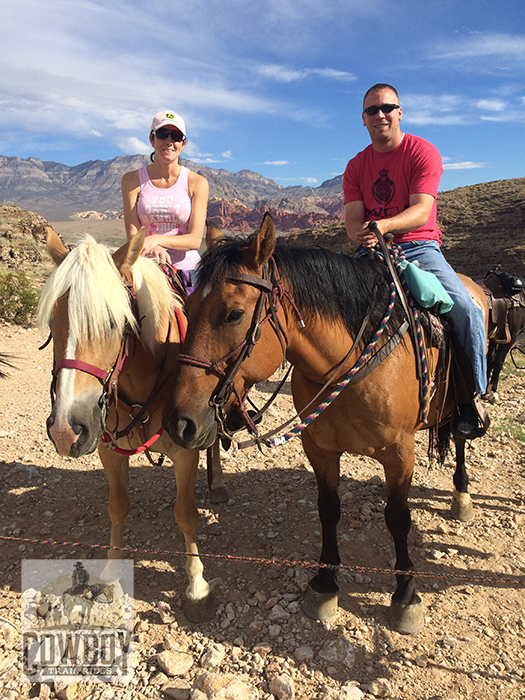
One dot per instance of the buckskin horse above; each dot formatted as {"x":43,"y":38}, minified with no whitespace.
{"x":245,"y":315}
{"x":116,"y":327}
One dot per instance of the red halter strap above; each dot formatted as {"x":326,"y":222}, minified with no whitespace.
{"x":83,"y":367}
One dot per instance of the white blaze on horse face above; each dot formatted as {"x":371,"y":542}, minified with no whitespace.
{"x":66,"y":391}
{"x":61,"y":432}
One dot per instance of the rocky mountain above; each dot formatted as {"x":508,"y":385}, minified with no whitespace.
{"x":59,"y":191}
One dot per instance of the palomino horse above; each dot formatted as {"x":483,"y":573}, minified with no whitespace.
{"x":251,"y":294}
{"x":114,"y":318}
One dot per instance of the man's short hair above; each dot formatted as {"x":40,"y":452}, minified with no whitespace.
{"x":380,"y":86}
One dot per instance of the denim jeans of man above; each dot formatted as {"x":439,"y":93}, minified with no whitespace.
{"x":467,"y":319}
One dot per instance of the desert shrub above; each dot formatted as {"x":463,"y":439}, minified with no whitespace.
{"x":18,"y":299}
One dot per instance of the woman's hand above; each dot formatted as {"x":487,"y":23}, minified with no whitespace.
{"x":153,"y":249}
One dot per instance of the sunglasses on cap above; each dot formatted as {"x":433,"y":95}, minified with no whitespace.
{"x":386,"y":109}
{"x":164,"y":133}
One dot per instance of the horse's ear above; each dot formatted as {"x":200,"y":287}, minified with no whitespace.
{"x":263,"y":244}
{"x":127,"y":255}
{"x":213,"y":234}
{"x":56,"y":249}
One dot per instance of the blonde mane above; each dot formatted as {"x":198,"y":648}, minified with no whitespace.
{"x":99,"y":304}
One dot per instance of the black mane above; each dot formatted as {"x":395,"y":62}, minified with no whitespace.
{"x":324,"y":284}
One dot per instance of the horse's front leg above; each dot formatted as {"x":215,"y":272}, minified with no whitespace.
{"x":461,"y":508}
{"x":321,"y":598}
{"x":218,"y":490}
{"x":200,"y":603}
{"x":117,"y":469}
{"x":407,"y":613}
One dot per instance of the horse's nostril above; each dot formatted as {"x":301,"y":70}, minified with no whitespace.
{"x":186,"y":429}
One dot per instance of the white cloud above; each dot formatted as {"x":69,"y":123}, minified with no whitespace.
{"x":484,"y":45}
{"x":467,"y":165}
{"x":283,"y":74}
{"x":133,"y":146}
{"x":494,"y":105}
{"x":276,"y":162}
{"x":192,"y":151}
{"x":441,"y":110}
{"x":308,"y":180}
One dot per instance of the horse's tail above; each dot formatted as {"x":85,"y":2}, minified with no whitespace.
{"x":439,"y":442}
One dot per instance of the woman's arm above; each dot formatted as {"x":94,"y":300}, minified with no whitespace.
{"x":130,"y":187}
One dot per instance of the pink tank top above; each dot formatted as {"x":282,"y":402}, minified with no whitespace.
{"x":167,"y":212}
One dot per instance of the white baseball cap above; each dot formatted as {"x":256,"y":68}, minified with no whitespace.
{"x":165,"y":118}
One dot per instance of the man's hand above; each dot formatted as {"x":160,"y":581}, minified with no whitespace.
{"x":366,"y":237}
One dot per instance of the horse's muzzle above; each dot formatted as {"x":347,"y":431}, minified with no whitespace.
{"x":74,"y":437}
{"x":186,"y":432}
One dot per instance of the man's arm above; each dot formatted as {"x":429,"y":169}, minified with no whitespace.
{"x":416,"y":215}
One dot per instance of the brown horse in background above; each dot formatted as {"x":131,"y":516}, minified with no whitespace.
{"x":506,"y":324}
{"x":377,"y":416}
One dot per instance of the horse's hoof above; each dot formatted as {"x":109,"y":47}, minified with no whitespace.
{"x":319,"y":606}
{"x":407,"y":619}
{"x":200,"y":610}
{"x":461,"y":507}
{"x":219,"y":495}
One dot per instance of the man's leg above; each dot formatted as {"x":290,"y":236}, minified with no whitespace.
{"x":466,"y":318}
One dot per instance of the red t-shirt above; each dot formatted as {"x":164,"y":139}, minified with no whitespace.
{"x":385,"y":181}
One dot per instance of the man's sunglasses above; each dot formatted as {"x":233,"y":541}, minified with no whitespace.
{"x":386,"y":109}
{"x":175,"y":136}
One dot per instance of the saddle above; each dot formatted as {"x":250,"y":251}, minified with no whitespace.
{"x":503,"y":292}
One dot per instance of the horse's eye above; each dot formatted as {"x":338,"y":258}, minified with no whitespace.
{"x":234,"y":316}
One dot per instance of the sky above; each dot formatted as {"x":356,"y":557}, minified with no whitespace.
{"x":272,"y":86}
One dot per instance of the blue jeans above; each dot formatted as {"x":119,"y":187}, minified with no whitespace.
{"x":467,"y":319}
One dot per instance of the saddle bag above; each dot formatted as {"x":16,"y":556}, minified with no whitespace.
{"x":425,"y":288}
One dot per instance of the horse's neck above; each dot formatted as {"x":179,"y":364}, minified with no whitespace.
{"x":317,"y":350}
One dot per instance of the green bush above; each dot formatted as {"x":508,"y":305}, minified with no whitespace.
{"x":18,"y":299}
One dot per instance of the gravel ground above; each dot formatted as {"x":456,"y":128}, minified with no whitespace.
{"x":260,"y":645}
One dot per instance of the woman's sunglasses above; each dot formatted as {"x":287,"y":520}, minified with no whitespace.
{"x":175,"y":136}
{"x":386,"y":109}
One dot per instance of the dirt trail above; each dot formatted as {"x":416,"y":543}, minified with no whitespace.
{"x":471,"y":647}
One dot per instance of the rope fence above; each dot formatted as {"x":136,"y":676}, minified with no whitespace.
{"x":518,"y":582}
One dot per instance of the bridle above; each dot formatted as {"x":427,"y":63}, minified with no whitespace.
{"x":107,"y":377}
{"x":272,"y":293}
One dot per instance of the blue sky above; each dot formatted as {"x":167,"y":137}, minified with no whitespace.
{"x":273,"y":86}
